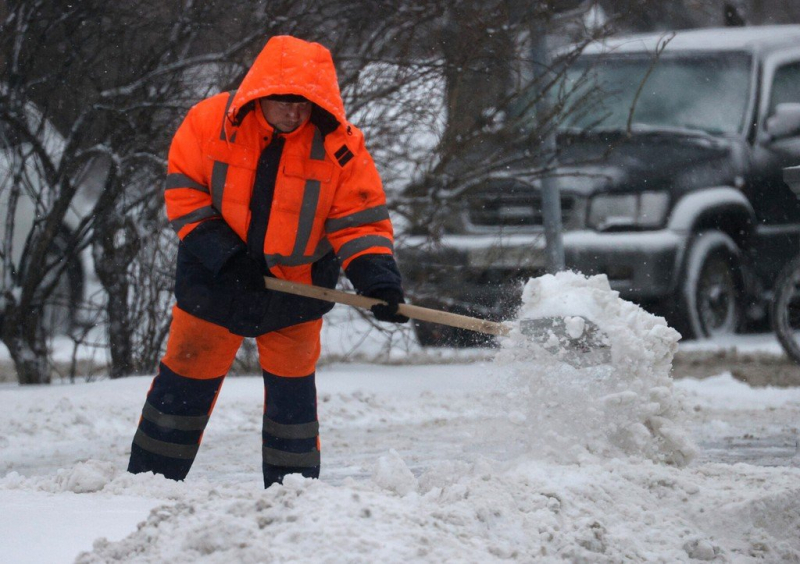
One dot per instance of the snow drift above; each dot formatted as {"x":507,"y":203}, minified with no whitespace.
{"x":627,"y":407}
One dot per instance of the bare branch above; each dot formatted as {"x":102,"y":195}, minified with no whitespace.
{"x":172,"y":68}
{"x":660,"y":46}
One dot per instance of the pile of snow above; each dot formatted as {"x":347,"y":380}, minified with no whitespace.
{"x":471,"y":512}
{"x":453,"y":511}
{"x":624,"y":407}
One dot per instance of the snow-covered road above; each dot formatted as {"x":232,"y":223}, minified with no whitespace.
{"x":413,"y":470}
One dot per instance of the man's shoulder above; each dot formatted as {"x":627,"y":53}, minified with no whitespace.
{"x":207,"y":115}
{"x":215,"y":104}
{"x":345,"y":142}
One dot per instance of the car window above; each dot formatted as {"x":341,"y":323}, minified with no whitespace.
{"x":785,"y":86}
{"x":701,"y":91}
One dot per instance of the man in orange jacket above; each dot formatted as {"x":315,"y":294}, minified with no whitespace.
{"x":267,"y":180}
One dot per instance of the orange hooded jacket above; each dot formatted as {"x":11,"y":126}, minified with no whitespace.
{"x":327,"y":194}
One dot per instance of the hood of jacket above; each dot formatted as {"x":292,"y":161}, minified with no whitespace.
{"x":288,"y":65}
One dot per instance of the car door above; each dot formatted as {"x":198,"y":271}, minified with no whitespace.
{"x":776,"y":207}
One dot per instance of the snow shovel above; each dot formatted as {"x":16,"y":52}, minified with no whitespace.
{"x":575,"y":340}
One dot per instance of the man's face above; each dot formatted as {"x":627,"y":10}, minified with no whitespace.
{"x":285,"y":116}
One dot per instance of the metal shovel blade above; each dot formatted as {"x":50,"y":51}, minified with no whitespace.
{"x":575,"y":340}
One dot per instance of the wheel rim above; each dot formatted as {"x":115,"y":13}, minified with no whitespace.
{"x":716,"y":297}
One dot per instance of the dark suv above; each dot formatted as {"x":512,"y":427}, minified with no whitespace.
{"x":681,"y":205}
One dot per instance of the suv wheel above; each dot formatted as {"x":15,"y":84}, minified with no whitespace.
{"x":709,"y":297}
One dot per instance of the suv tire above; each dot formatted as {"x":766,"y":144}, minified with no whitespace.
{"x":709,"y":296}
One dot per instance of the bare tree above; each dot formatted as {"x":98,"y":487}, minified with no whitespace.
{"x":133,"y":90}
{"x":50,"y":166}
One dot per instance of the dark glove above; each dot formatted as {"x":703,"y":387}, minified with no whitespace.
{"x":242,"y":273}
{"x":388,"y":312}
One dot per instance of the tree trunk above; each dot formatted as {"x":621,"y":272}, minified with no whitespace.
{"x":22,"y":334}
{"x":478,"y":65}
{"x":115,"y":247}
{"x":119,"y":327}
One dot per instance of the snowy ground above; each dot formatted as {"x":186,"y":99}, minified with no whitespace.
{"x":409,"y":475}
{"x":472,"y":461}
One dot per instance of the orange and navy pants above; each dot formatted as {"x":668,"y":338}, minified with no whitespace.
{"x":182,"y":396}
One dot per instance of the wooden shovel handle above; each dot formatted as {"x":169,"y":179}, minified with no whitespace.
{"x":412,"y":311}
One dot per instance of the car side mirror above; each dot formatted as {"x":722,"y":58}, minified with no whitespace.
{"x":785,"y":121}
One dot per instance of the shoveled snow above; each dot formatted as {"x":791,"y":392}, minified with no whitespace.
{"x":520,"y":459}
{"x":626,"y":407}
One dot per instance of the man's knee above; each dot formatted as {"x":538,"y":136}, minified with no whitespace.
{"x":199,"y":349}
{"x":291,"y":352}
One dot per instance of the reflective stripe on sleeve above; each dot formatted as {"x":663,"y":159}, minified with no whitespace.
{"x":298,"y":459}
{"x":179,"y":422}
{"x":355,"y":246}
{"x":177,"y":180}
{"x":205,"y":212}
{"x":162,"y":448}
{"x":363,"y":217}
{"x":295,"y":431}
